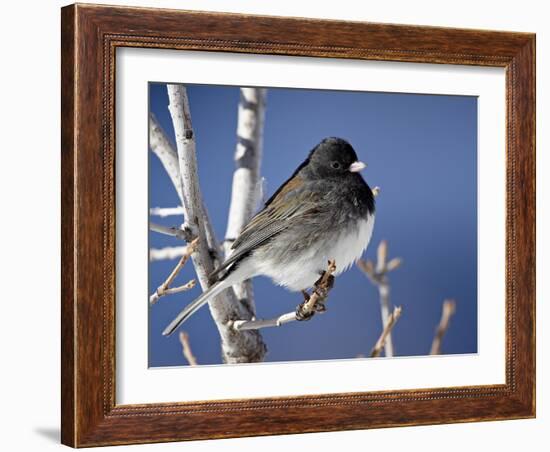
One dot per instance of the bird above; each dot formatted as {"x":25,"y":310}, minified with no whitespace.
{"x":325,"y":210}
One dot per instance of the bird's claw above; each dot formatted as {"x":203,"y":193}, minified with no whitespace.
{"x":325,"y":286}
{"x":321,"y":289}
{"x":302,"y":315}
{"x":320,"y":307}
{"x":306,"y":314}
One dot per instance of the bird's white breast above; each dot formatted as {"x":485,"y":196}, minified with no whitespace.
{"x":302,"y":272}
{"x":350,"y":245}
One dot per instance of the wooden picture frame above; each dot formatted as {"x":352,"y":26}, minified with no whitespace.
{"x":90,"y":36}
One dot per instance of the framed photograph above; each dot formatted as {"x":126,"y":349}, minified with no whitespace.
{"x":282,"y":225}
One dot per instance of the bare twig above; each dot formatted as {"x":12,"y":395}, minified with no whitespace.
{"x":314,"y":304}
{"x":166,"y":253}
{"x":247,"y":347}
{"x":183,"y":288}
{"x":449,"y":308}
{"x":378,"y":276}
{"x":248,"y":158}
{"x":256,"y":324}
{"x":180,"y":233}
{"x":186,"y":349}
{"x":166,"y":211}
{"x":163,"y":289}
{"x":386,"y":332}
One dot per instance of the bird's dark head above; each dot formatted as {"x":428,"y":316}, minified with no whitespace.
{"x":334,"y":157}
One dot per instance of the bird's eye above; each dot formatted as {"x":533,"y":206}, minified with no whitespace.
{"x":335,"y":165}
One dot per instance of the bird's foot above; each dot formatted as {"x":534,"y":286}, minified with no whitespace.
{"x":316,"y":301}
{"x":322,"y":287}
{"x":304,"y":311}
{"x":302,"y":314}
{"x":320,"y":306}
{"x":325,"y":282}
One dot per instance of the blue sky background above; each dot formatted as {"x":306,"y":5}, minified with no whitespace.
{"x":422,"y":152}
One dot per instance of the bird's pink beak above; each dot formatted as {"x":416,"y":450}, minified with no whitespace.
{"x":355,"y":167}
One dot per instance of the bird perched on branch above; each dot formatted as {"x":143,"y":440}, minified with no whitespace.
{"x":325,"y":210}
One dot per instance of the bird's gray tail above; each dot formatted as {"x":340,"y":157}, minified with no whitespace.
{"x":194,"y":306}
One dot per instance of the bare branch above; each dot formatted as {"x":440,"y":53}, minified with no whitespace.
{"x":248,"y":157}
{"x":187,"y":286}
{"x":256,"y":324}
{"x":386,"y":332}
{"x":377,"y":274}
{"x":180,"y":233}
{"x":245,"y":347}
{"x":163,"y":149}
{"x":166,"y":211}
{"x":186,"y":349}
{"x":393,"y":264}
{"x":166,"y":253}
{"x":163,"y":288}
{"x":187,"y":162}
{"x":449,"y":308}
{"x":315,"y":303}
{"x":381,"y":256}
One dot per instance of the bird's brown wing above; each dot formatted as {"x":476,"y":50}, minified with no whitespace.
{"x":292,"y":203}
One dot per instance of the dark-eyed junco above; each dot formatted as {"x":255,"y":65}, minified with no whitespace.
{"x":324,"y":211}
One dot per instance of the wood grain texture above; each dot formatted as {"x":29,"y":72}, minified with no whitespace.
{"x":68,"y":299}
{"x":90,"y":36}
